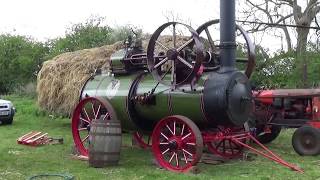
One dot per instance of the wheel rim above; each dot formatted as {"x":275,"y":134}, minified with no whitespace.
{"x":249,"y":60}
{"x":177,"y":143}
{"x":86,"y":111}
{"x":173,"y":65}
{"x":143,"y":141}
{"x":226,"y":148}
{"x":308,"y":141}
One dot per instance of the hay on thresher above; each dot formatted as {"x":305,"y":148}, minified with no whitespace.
{"x":61,"y":78}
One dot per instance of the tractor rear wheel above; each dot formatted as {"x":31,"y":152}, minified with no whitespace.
{"x":306,"y":141}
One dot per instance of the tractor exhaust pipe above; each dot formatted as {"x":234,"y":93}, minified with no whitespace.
{"x":227,"y":35}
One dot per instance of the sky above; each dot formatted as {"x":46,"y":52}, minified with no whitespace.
{"x":47,"y":19}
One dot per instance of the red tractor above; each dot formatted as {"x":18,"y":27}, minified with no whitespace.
{"x":291,"y":108}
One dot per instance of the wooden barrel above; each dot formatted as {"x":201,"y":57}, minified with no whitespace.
{"x":105,"y":143}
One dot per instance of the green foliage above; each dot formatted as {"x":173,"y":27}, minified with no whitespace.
{"x":273,"y":72}
{"x":92,"y":33}
{"x":20,"y":58}
{"x":121,"y":33}
{"x":313,"y":60}
{"x":283,"y":70}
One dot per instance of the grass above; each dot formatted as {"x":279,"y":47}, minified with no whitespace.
{"x":20,"y":162}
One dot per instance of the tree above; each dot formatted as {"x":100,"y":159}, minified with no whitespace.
{"x":274,"y":72}
{"x":92,"y":33}
{"x":20,"y":58}
{"x":282,"y":12}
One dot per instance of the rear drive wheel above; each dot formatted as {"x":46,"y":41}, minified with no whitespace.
{"x":306,"y":141}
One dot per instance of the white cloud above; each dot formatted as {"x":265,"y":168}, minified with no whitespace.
{"x":44,"y":19}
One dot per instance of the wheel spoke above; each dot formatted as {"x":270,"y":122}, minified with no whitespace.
{"x":160,"y":63}
{"x":185,"y":157}
{"x":187,"y":152}
{"x":85,"y":120}
{"x":184,"y":45}
{"x":182,"y":129}
{"x":185,"y":62}
{"x":163,"y":46}
{"x":174,"y":36}
{"x":164,"y":75}
{"x":85,"y":111}
{"x":174,"y":127}
{"x":210,"y":39}
{"x":173,"y":72}
{"x":219,"y":144}
{"x":164,"y":143}
{"x":231,"y":146}
{"x":82,"y":129}
{"x":192,"y":144}
{"x":107,"y":115}
{"x":186,"y":136}
{"x":160,"y":56}
{"x":94,"y":113}
{"x":165,"y":136}
{"x":173,"y":154}
{"x":177,"y":161}
{"x":85,"y":138}
{"x":98,"y":111}
{"x":165,"y":151}
{"x":169,"y":129}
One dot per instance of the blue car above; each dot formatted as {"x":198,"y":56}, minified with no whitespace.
{"x":7,"y":111}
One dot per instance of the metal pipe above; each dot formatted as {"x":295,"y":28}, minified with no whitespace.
{"x":227,"y":35}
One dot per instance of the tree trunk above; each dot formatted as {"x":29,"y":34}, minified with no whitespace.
{"x":301,"y":53}
{"x":288,"y":38}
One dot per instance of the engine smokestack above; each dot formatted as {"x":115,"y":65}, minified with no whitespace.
{"x":227,"y":35}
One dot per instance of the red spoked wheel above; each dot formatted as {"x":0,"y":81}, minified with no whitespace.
{"x":86,"y":111}
{"x":143,"y":140}
{"x":225,"y":147}
{"x":177,"y":143}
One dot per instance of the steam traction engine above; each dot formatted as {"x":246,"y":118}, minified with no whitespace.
{"x":186,"y":92}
